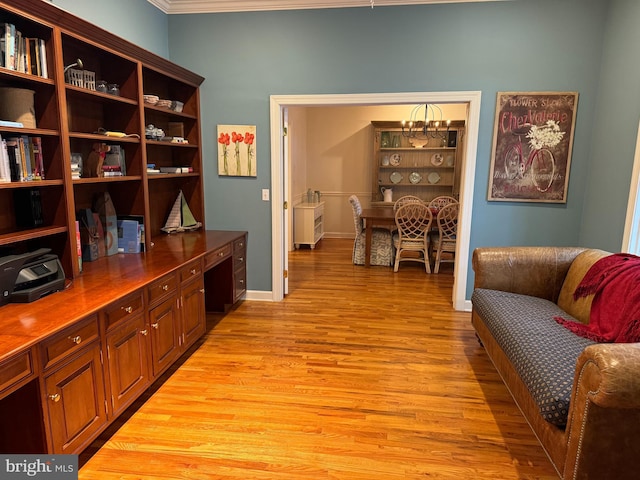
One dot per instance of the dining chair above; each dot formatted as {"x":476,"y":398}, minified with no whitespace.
{"x":441,"y":201}
{"x":406,"y":199}
{"x":445,"y":240}
{"x":413,"y":221}
{"x":381,"y":240}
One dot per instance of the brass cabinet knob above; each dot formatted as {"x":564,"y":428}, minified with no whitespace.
{"x":128,"y":309}
{"x":165,"y":287}
{"x":77,"y":339}
{"x":193,"y":271}
{"x":54,"y":397}
{"x":202,"y":290}
{"x":155,"y":325}
{"x":144,"y":332}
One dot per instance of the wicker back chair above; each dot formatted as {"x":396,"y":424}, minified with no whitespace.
{"x":441,"y":201}
{"x":445,"y":240}
{"x":413,"y":221}
{"x":381,"y":241}
{"x":404,"y":200}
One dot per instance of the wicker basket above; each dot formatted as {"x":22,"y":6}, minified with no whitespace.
{"x":81,"y":78}
{"x":16,"y":105}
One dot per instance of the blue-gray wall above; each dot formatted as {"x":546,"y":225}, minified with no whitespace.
{"x":586,"y":46}
{"x":615,"y":130}
{"x":136,"y":20}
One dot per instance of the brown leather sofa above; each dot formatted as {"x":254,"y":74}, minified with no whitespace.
{"x":601,"y":439}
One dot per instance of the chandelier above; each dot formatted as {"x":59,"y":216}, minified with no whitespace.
{"x":427,"y":128}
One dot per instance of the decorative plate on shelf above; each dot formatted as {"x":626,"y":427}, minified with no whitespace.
{"x":395,"y":177}
{"x":437,"y":159}
{"x":415,"y":177}
{"x":449,"y":161}
{"x":394,"y":159}
{"x":433,"y":177}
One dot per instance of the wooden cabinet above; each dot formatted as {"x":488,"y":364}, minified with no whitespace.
{"x":164,"y":323}
{"x":70,"y":118}
{"x":192,"y":303}
{"x":425,"y":168}
{"x":239,"y":268}
{"x":308,"y":224}
{"x":65,"y":375}
{"x":74,"y":395}
{"x":127,"y":350}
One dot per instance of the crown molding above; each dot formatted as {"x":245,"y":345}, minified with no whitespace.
{"x":220,"y":6}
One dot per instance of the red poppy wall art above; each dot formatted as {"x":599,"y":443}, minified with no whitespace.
{"x":237,"y":150}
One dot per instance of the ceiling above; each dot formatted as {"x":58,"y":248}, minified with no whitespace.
{"x":218,"y":6}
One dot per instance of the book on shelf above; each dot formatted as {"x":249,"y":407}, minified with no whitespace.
{"x":15,"y":166}
{"x":5,"y":169}
{"x":43,"y":58}
{"x":11,"y":123}
{"x":129,"y":234}
{"x":78,"y":246}
{"x":140,"y":220}
{"x":38,"y":159}
{"x":24,"y":158}
{"x":27,"y":204}
{"x":21,"y":53}
{"x":176,"y":169}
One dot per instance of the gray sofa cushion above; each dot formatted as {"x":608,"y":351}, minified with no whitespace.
{"x":542,"y":352}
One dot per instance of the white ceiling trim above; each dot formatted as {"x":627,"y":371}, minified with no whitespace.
{"x":220,"y":6}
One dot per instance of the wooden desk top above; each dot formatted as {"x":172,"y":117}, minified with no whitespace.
{"x":378,"y":214}
{"x":101,"y":282}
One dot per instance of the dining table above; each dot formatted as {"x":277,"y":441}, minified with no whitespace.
{"x":383,"y":216}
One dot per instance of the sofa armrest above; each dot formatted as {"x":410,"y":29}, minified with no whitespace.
{"x":535,"y":271}
{"x":608,"y":372}
{"x":604,"y":417}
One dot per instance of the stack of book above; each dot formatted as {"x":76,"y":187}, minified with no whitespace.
{"x":21,"y":159}
{"x":176,"y":169}
{"x":76,"y":166}
{"x":112,"y":171}
{"x":114,"y":164}
{"x":20,"y":53}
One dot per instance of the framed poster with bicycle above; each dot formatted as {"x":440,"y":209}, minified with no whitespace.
{"x":532,"y":142}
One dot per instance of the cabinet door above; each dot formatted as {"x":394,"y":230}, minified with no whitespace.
{"x":193,"y":315}
{"x":127,"y":360}
{"x":75,"y":401}
{"x":165,"y":335}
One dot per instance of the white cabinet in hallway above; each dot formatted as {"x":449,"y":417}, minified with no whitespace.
{"x":308,"y":224}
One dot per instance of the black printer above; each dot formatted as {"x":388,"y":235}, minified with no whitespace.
{"x":29,"y":276}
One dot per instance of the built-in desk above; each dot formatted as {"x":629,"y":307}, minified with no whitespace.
{"x":71,"y":362}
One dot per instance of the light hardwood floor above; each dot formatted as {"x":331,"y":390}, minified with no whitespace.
{"x":359,"y":374}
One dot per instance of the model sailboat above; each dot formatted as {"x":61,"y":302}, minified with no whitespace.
{"x":180,"y":219}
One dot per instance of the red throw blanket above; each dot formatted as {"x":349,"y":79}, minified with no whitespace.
{"x":615,"y":311}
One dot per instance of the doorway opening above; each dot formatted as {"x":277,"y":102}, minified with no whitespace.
{"x":278,"y":106}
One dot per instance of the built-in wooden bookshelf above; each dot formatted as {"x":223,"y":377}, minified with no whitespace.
{"x":68,"y":118}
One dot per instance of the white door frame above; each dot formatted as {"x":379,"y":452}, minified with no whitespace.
{"x":631,"y":236}
{"x":279,"y":102}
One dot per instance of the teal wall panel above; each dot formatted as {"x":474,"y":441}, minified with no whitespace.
{"x":574,"y":45}
{"x":136,"y":20}
{"x":491,"y":47}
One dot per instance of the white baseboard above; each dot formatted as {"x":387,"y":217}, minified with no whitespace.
{"x":259,"y":295}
